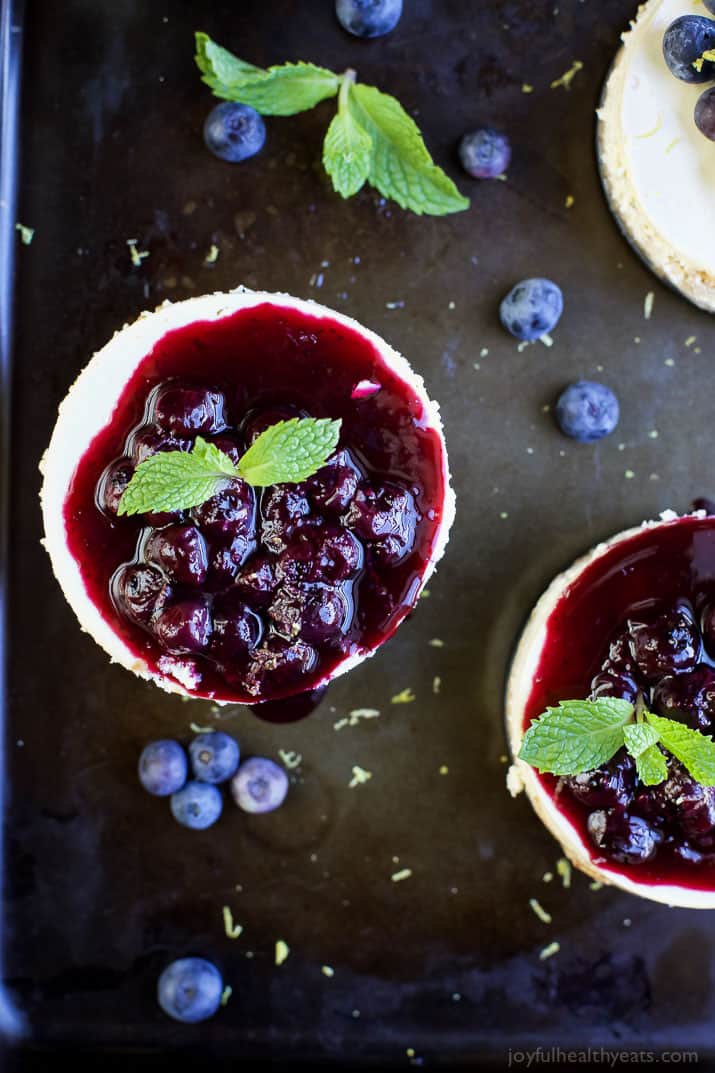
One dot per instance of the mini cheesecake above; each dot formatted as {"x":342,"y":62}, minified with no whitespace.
{"x":256,"y":594}
{"x":658,"y":170}
{"x":634,"y":615}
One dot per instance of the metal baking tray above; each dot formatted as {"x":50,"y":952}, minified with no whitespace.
{"x":101,"y":888}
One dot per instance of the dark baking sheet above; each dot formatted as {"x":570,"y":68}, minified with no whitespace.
{"x":102,"y":889}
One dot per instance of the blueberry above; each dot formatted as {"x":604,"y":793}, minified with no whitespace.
{"x":315,"y":613}
{"x":684,"y":42}
{"x":139,"y":591}
{"x":259,"y":785}
{"x":688,"y":698}
{"x":162,"y":768}
{"x":281,"y":663}
{"x":609,"y":684}
{"x":149,"y":440}
{"x":113,"y":484}
{"x":368,"y":18}
{"x":671,"y":644}
{"x":610,"y":786}
{"x":236,"y":629}
{"x":334,"y":485}
{"x":627,"y":839}
{"x":256,"y":581}
{"x":386,"y":512}
{"x":532,"y":308}
{"x":234,"y":132}
{"x":198,"y":805}
{"x":485,"y":153}
{"x":190,"y":990}
{"x":214,"y":756}
{"x":705,"y":112}
{"x":180,"y":551}
{"x":183,"y":410}
{"x":587,"y":411}
{"x":257,"y":421}
{"x":285,"y":508}
{"x":324,"y":553}
{"x":229,"y":513}
{"x":184,"y":626}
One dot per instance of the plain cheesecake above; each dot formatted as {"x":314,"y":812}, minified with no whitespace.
{"x":658,"y":170}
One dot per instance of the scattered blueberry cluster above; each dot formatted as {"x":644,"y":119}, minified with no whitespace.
{"x":670,"y":660}
{"x":257,"y":785}
{"x":260,"y":586}
{"x":689,"y":51}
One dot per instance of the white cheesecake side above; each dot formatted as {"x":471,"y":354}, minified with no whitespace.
{"x":88,"y":408}
{"x":522,"y":777}
{"x":658,"y":170}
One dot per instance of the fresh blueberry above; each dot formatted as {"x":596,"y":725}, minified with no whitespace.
{"x":485,"y":153}
{"x":259,"y":785}
{"x":684,"y":42}
{"x":198,"y":805}
{"x":190,"y":990}
{"x":368,"y":18}
{"x":587,"y":411}
{"x":162,"y":768}
{"x":214,"y":756}
{"x":234,"y":132}
{"x":532,"y":308}
{"x":705,"y":112}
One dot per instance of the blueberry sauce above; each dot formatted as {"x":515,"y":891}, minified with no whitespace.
{"x":261,"y":593}
{"x":641,"y":618}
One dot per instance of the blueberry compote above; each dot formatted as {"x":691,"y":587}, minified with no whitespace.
{"x":640,"y":619}
{"x":260,"y":594}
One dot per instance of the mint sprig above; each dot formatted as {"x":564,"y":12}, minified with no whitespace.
{"x":576,"y":736}
{"x":581,"y":735}
{"x":371,"y":138}
{"x":284,"y":453}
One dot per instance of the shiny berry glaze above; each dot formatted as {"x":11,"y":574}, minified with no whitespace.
{"x":263,"y":592}
{"x":640,"y":618}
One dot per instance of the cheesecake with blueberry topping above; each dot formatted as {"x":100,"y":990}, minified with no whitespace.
{"x":658,"y":169}
{"x":633,"y":619}
{"x":257,"y":593}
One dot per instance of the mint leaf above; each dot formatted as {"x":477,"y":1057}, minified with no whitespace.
{"x":177,"y":480}
{"x":281,"y":90}
{"x":576,"y":736}
{"x":220,"y":69}
{"x":695,"y":751}
{"x":401,"y":167}
{"x":642,"y":743}
{"x":289,"y":451}
{"x":290,"y":88}
{"x":347,"y":148}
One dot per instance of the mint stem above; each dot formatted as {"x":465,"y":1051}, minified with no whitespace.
{"x":347,"y":79}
